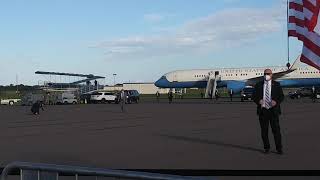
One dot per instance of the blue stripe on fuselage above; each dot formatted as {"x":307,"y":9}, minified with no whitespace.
{"x":164,"y":83}
{"x":299,"y":82}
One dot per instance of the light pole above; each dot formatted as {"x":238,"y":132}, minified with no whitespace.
{"x":17,"y":84}
{"x":114,"y":81}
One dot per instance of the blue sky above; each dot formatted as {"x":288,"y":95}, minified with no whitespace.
{"x":139,"y":40}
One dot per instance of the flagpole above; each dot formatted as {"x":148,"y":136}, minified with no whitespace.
{"x":288,"y":43}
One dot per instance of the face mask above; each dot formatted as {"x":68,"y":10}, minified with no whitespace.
{"x":267,"y":77}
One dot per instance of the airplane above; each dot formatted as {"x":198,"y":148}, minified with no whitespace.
{"x":239,"y":78}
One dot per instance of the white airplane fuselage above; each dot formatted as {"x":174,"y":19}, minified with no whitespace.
{"x":237,"y":78}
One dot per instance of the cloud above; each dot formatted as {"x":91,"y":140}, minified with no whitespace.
{"x":223,"y":29}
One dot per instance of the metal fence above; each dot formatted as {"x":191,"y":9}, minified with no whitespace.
{"x":39,"y":171}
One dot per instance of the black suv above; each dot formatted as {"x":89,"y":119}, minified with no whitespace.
{"x":132,"y":96}
{"x":303,"y":92}
{"x":246,"y":93}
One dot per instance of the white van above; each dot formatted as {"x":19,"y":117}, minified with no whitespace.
{"x":104,"y":97}
{"x":66,"y":98}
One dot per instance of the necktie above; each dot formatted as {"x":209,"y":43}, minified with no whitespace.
{"x":267,"y":95}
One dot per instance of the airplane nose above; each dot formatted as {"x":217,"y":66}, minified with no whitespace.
{"x":157,"y":83}
{"x":162,"y":82}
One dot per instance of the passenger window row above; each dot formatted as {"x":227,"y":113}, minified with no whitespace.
{"x":309,"y":72}
{"x":199,"y":76}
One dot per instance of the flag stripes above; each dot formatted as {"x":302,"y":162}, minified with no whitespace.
{"x":303,"y":19}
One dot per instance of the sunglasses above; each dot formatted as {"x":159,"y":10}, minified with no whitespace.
{"x":267,"y":73}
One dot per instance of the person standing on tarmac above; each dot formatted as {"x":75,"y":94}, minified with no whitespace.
{"x":35,"y":109}
{"x":231,"y":94}
{"x":268,"y":96}
{"x":158,"y":96}
{"x":216,"y":94}
{"x":314,"y":94}
{"x":122,"y":99}
{"x":170,"y":96}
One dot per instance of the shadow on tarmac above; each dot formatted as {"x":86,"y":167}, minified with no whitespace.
{"x":217,"y":143}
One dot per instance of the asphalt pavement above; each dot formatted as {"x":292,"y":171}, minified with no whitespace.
{"x":188,"y":134}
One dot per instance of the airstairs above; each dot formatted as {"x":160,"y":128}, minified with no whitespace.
{"x":213,"y":78}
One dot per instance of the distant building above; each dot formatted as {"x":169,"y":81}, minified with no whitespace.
{"x":117,"y":87}
{"x":142,"y":88}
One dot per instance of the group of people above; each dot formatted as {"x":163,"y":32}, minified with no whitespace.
{"x":216,"y":94}
{"x":170,"y":96}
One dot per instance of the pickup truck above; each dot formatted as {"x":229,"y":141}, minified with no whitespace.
{"x":10,"y":102}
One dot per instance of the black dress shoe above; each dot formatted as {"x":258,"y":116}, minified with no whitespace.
{"x":266,"y":151}
{"x":279,"y":152}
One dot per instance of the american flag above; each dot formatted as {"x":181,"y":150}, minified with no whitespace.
{"x":303,"y":24}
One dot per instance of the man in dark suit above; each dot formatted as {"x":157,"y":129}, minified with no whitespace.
{"x":268,"y":96}
{"x":170,"y":96}
{"x":314,"y":94}
{"x":35,"y":109}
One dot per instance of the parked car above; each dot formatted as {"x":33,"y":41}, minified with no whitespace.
{"x":66,"y":98}
{"x":132,"y":96}
{"x":246,"y":93}
{"x":304,"y":92}
{"x":104,"y":97}
{"x":10,"y":102}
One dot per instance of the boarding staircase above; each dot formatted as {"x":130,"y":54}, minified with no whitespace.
{"x":213,"y":78}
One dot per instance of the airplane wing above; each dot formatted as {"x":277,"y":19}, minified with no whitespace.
{"x":277,"y":75}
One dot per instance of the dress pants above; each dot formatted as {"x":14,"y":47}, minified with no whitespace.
{"x":268,"y":116}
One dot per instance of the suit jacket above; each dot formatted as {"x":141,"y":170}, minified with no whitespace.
{"x":276,"y":95}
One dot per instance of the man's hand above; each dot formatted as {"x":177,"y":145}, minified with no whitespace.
{"x":274,"y":103}
{"x":261,"y":102}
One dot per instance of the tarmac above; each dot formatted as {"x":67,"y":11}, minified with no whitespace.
{"x":188,"y":134}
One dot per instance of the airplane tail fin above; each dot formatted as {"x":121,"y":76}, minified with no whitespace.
{"x":295,"y":64}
